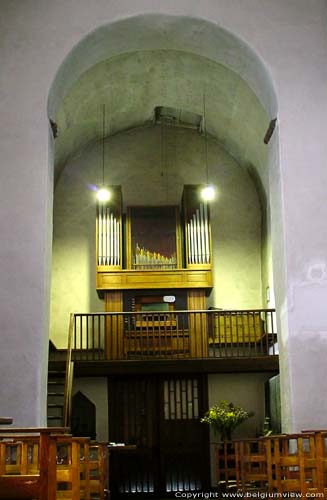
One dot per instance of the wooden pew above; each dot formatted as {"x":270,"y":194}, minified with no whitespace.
{"x":283,"y":464}
{"x":253,"y":472}
{"x":236,"y":327}
{"x":99,"y":470}
{"x":293,"y":464}
{"x":25,"y":483}
{"x":228,"y":472}
{"x":71,"y":474}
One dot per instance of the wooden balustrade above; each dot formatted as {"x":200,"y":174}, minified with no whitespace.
{"x":49,"y":464}
{"x":285,"y":464}
{"x":178,"y":334}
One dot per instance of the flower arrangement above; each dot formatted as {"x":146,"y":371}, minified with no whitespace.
{"x":225,"y":417}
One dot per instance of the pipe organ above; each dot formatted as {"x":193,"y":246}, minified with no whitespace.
{"x":155,"y":247}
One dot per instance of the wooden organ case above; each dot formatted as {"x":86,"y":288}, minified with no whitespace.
{"x":159,"y":250}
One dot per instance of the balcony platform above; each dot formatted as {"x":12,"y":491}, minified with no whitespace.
{"x":154,"y":365}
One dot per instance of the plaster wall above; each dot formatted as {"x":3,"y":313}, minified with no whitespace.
{"x":290,"y":36}
{"x":134,"y":161}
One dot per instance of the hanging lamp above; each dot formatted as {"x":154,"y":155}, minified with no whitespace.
{"x":103,"y":193}
{"x":208,"y":192}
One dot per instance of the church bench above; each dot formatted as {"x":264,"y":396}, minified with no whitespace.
{"x":99,"y":470}
{"x":25,"y":482}
{"x":283,"y":464}
{"x":152,"y":342}
{"x":72,"y":473}
{"x":236,"y":327}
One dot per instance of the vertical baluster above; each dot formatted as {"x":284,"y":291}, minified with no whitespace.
{"x":94,"y":344}
{"x":266,"y":333}
{"x":87,"y":336}
{"x":75,"y":334}
{"x":239,"y":318}
{"x":248,"y":316}
{"x":217,"y":349}
{"x":170,"y":347}
{"x":230,"y":322}
{"x":80,"y":338}
{"x":222,"y":340}
{"x":263,"y":328}
{"x":99,"y":336}
{"x":272,"y":332}
{"x":255,"y":330}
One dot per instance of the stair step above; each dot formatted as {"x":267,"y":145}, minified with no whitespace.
{"x":55,"y":405}
{"x":54,"y":417}
{"x":56,"y":382}
{"x":56,"y":394}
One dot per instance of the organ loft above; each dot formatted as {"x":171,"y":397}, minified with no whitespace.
{"x":156,"y":251}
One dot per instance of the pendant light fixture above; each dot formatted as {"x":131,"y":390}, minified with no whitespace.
{"x":103,"y":193}
{"x":208,"y":192}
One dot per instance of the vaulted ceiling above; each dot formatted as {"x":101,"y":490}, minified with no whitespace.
{"x":132,"y":85}
{"x":135,"y":65}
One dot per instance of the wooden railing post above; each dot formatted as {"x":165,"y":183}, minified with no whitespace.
{"x":69,"y":374}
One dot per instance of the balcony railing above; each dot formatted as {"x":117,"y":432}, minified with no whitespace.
{"x":174,"y":335}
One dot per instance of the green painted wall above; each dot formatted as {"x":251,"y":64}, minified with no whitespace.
{"x":152,"y":166}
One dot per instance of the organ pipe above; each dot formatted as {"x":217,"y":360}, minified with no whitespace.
{"x":100,"y":255}
{"x":198,"y":236}
{"x":145,"y":259}
{"x":108,"y":238}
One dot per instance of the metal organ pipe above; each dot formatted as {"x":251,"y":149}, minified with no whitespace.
{"x":114,"y":242}
{"x":192,"y":242}
{"x":203,"y":248}
{"x":200,"y":242}
{"x":198,"y":236}
{"x":206,"y":234}
{"x":195,"y":240}
{"x":117,"y":244}
{"x":189,"y":243}
{"x":108,"y":238}
{"x":100,"y":255}
{"x":111,"y":240}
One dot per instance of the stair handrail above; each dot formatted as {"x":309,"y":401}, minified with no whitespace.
{"x":69,"y":374}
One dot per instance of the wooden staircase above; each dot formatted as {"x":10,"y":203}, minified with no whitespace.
{"x":60,"y":382}
{"x":56,"y":394}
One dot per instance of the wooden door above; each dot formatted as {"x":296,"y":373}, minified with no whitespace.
{"x":161,"y":417}
{"x":183,"y":440}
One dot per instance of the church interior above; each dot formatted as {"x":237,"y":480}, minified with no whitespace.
{"x":164,"y":238}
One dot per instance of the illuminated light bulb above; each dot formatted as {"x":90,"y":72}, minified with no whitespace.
{"x":103,"y":195}
{"x":208,"y":193}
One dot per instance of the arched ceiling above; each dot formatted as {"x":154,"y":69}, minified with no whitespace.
{"x":132,"y":84}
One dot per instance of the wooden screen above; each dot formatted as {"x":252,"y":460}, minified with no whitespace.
{"x":161,"y":416}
